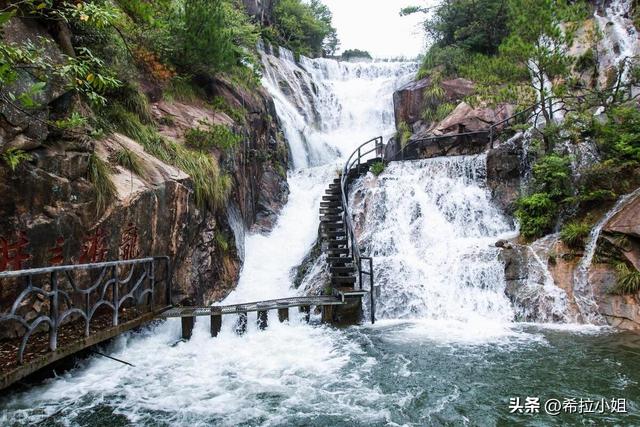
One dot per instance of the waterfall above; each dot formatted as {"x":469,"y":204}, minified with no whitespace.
{"x":620,"y":37}
{"x":583,"y":292}
{"x":430,"y":226}
{"x":326,"y":109}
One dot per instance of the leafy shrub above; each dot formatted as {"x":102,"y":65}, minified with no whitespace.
{"x":619,"y":136}
{"x":216,"y":35}
{"x":628,"y":279}
{"x":552,"y":175}
{"x":99,"y":175}
{"x":377,"y":168}
{"x":536,"y":214}
{"x":575,"y":234}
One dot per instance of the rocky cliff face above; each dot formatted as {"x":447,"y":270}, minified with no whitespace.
{"x":48,"y":212}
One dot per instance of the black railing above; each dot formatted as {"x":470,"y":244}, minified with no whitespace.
{"x":354,"y":163}
{"x":141,"y":285}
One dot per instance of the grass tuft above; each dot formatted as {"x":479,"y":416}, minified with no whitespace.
{"x":628,"y":280}
{"x":575,"y":234}
{"x":99,"y":175}
{"x":129,"y":160}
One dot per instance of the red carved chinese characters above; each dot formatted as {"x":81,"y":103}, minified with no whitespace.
{"x":57,"y":256}
{"x":13,"y":254}
{"x":129,"y":245}
{"x":94,"y":248}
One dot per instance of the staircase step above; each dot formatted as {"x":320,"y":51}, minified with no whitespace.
{"x":333,"y":193}
{"x":335,"y":187}
{"x":330,"y":218}
{"x":336,"y":243}
{"x":343,"y":280}
{"x":331,"y":204}
{"x":339,"y":260}
{"x":337,"y":251}
{"x":333,"y":234}
{"x":337,"y":210}
{"x":332,"y":226}
{"x":332,"y":198}
{"x":343,"y":270}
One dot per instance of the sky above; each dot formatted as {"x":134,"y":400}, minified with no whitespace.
{"x":377,"y":27}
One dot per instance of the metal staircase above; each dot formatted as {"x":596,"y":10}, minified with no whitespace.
{"x":337,"y":231}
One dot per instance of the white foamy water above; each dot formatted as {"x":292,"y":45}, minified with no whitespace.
{"x":264,"y":376}
{"x":431,"y":229}
{"x":620,"y":40}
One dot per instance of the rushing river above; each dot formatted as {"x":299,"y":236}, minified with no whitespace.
{"x":447,"y":351}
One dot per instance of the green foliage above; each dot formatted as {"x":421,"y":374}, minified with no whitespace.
{"x":87,"y":75}
{"x":355,"y":53}
{"x":628,"y":279}
{"x":213,"y":136}
{"x":305,"y":29}
{"x":476,"y":26}
{"x":377,"y":168}
{"x":552,"y":185}
{"x":222,"y":242}
{"x":619,"y":136}
{"x":129,"y":160}
{"x":574,"y":234}
{"x":13,"y":157}
{"x":99,"y":175}
{"x":74,"y":121}
{"x":552,"y":175}
{"x":439,"y":113}
{"x":237,"y":114}
{"x":536,"y":214}
{"x":403,"y":134}
{"x":215,"y":35}
{"x":211,"y":186}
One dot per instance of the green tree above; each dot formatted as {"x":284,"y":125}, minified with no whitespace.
{"x":355,"y":53}
{"x":216,"y":35}
{"x":304,"y":28}
{"x":539,"y":44}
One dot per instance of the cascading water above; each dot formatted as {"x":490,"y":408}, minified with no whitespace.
{"x":431,"y":230}
{"x":431,"y":227}
{"x":620,"y":37}
{"x":583,"y":292}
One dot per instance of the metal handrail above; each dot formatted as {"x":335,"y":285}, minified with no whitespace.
{"x":68,"y":298}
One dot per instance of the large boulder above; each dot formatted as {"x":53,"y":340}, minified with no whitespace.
{"x":410,"y":101}
{"x":18,"y":125}
{"x":260,"y":10}
{"x":627,"y":220}
{"x":504,"y":172}
{"x":465,"y":118}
